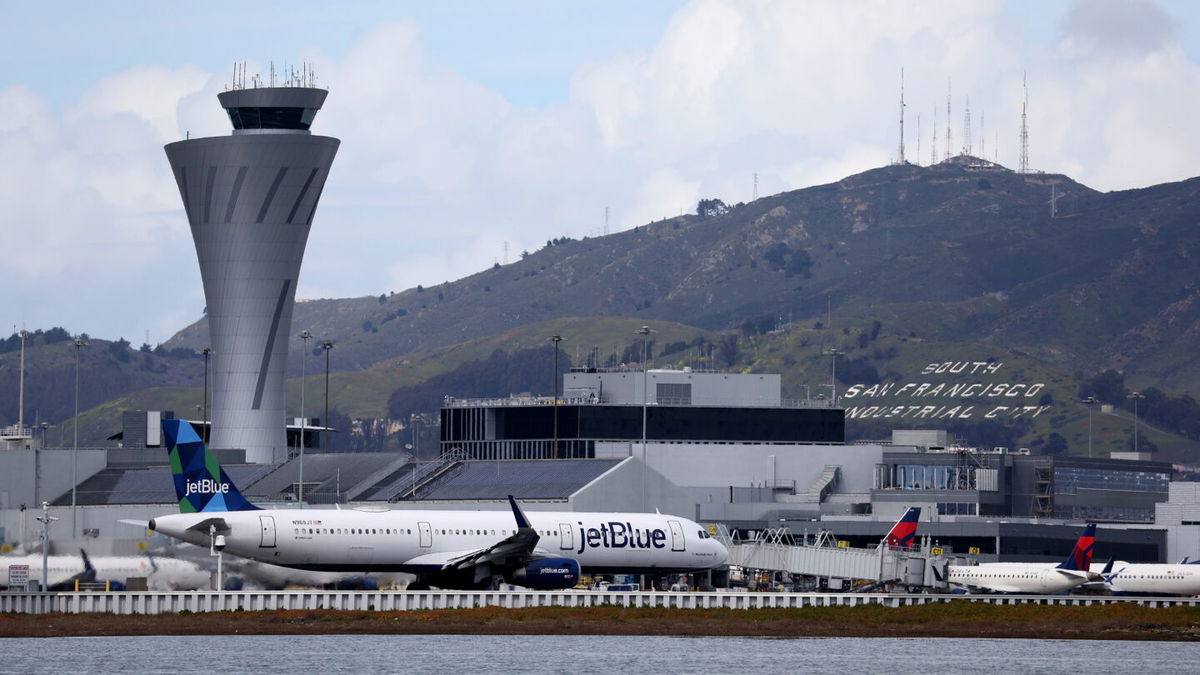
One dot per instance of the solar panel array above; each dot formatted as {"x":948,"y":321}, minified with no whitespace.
{"x":153,"y":485}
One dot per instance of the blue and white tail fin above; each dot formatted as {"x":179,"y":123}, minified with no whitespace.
{"x":200,"y":482}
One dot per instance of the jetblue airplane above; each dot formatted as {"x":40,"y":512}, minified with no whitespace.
{"x":446,"y":549}
{"x":1028,"y":577}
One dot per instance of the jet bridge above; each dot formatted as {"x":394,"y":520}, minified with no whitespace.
{"x":821,"y":557}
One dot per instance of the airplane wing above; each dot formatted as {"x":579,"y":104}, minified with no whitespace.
{"x":512,"y":551}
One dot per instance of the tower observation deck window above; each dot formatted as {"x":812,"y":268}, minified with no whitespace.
{"x":272,"y":118}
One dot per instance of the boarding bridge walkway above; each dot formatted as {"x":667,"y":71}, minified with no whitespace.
{"x":771,"y":550}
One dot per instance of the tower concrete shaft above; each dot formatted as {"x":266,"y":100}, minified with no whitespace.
{"x":250,"y":199}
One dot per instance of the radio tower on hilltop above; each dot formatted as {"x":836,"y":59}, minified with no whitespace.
{"x":900,"y":154}
{"x":949,"y":137}
{"x":1024,"y":163}
{"x":933,"y":138}
{"x":967,"y":128}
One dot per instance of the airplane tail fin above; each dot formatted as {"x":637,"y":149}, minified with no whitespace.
{"x":1081,"y":555}
{"x":200,"y":482}
{"x":904,"y":533}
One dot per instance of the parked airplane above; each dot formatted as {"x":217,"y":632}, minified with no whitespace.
{"x":447,"y":549}
{"x":162,"y":574}
{"x":903,"y":534}
{"x":1028,"y":577}
{"x":1150,"y":578}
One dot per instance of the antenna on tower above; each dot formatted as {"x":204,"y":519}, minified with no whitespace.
{"x":606,"y":221}
{"x":967,"y":128}
{"x":982,"y":137}
{"x":949,"y":137}
{"x":933,"y":139}
{"x":900,"y":154}
{"x":918,"y":138}
{"x":506,"y":252}
{"x":755,"y":186}
{"x":1024,"y":162}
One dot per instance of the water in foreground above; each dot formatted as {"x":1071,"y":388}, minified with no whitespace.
{"x":585,"y":654}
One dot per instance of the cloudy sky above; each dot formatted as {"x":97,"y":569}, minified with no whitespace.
{"x":469,"y":125}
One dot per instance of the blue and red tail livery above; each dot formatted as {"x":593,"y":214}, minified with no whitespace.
{"x":904,"y":533}
{"x":1081,"y":556}
{"x":200,"y":482}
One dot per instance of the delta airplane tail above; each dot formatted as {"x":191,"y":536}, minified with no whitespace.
{"x":904,"y":533}
{"x":1081,"y":556}
{"x":200,"y":482}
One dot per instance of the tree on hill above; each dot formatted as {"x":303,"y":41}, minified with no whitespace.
{"x":711,"y":207}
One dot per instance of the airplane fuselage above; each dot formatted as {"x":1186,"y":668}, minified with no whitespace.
{"x":1154,"y":578}
{"x":352,"y":540}
{"x":161,"y":574}
{"x":1015,"y":578}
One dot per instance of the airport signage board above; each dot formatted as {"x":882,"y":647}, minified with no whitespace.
{"x":18,"y":576}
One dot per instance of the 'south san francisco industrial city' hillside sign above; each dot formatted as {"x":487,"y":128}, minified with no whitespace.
{"x":964,"y":390}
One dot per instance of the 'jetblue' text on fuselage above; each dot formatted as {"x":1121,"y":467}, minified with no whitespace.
{"x":620,"y":535}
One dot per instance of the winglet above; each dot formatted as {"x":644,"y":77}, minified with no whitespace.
{"x":1108,"y":567}
{"x":87,"y":563}
{"x":937,"y":575}
{"x":522,"y":521}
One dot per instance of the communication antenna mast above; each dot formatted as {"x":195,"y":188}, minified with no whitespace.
{"x":949,"y":136}
{"x":506,"y":252}
{"x":606,"y":221}
{"x":755,"y":185}
{"x":1024,"y":162}
{"x":967,"y":128}
{"x":900,"y":154}
{"x":982,"y":137}
{"x":933,"y":139}
{"x":918,"y":138}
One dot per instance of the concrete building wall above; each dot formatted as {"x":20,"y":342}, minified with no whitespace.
{"x":631,"y":486}
{"x":250,"y":199}
{"x":707,"y":389}
{"x":17,"y":474}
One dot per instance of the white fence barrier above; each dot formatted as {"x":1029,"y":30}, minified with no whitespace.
{"x":123,"y":602}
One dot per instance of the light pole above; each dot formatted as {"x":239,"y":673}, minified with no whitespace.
{"x":1089,"y":402}
{"x":204,"y":430}
{"x":327,"y":346}
{"x":645,"y":332}
{"x":556,"y":338}
{"x":304,"y":336}
{"x":833,"y":376}
{"x":79,"y":344}
{"x":45,"y":520}
{"x":1135,"y":395}
{"x":37,"y":462}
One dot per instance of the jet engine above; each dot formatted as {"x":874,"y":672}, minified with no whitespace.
{"x":547,"y":574}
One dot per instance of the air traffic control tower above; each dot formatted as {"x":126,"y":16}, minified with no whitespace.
{"x":250,"y":199}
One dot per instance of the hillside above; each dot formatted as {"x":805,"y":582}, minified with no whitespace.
{"x":948,"y":252}
{"x":960,"y":260}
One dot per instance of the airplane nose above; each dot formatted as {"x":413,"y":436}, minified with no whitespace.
{"x":722,"y":553}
